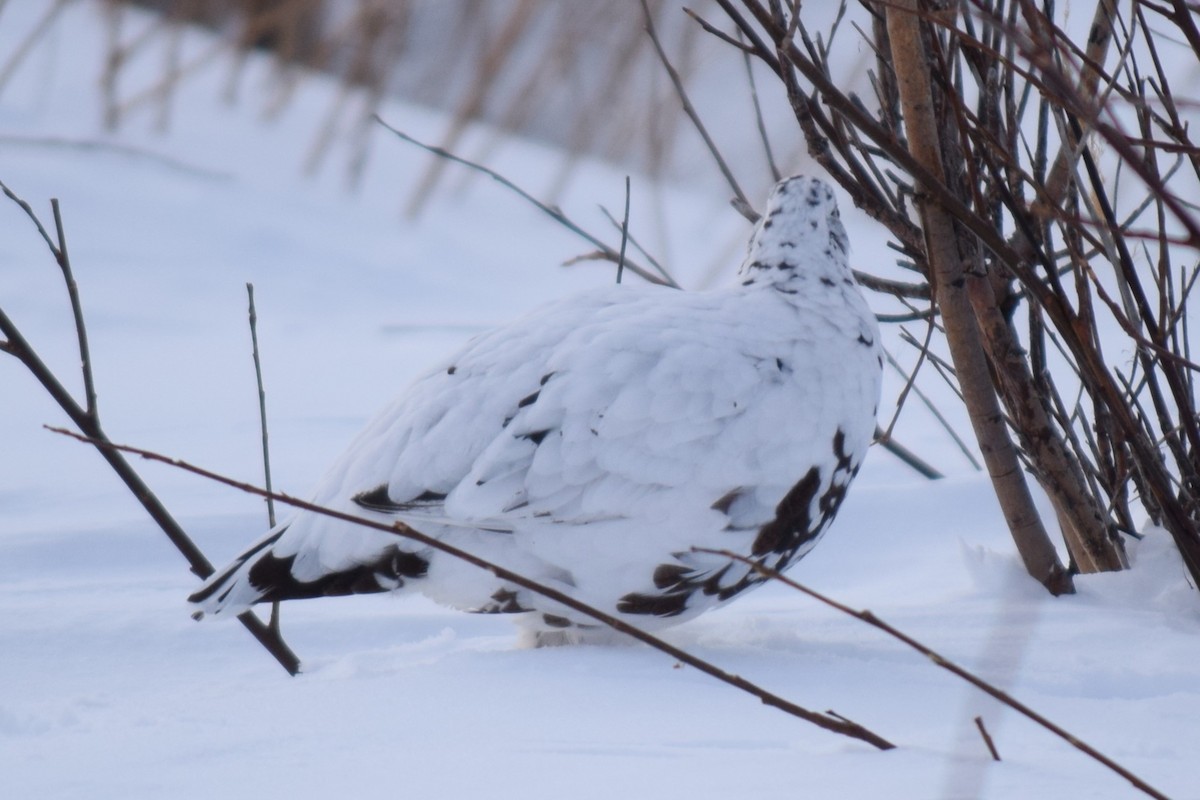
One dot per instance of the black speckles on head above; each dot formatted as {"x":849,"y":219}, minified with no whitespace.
{"x":450,"y":370}
{"x":800,"y":229}
{"x":815,"y":195}
{"x":837,"y":236}
{"x":528,"y":400}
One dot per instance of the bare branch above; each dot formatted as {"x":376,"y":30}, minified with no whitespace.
{"x":690,"y":110}
{"x":776,"y":175}
{"x":554,"y":213}
{"x":627,"y":234}
{"x":954,"y":298}
{"x":624,"y":233}
{"x":85,"y":359}
{"x":88,"y":422}
{"x":262,"y":402}
{"x":946,"y":664}
{"x":987,"y":739}
{"x":884,"y":439}
{"x":827,"y":720}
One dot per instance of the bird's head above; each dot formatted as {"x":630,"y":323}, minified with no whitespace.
{"x":800,"y":231}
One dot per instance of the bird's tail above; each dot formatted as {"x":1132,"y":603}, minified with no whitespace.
{"x":263,"y":574}
{"x":231,"y":590}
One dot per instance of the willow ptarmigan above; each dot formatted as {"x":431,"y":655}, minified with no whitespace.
{"x":594,"y":443}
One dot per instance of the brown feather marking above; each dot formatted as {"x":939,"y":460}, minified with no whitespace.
{"x":793,"y":520}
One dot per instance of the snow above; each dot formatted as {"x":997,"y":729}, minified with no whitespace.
{"x":108,"y":689}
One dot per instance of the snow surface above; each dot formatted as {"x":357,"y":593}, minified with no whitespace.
{"x":108,"y":689}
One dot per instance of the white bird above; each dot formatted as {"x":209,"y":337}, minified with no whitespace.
{"x":594,"y":443}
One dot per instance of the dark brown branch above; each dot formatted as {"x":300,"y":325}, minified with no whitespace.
{"x":959,"y":299}
{"x":987,"y":739}
{"x":827,"y":720}
{"x":948,"y":665}
{"x":200,"y":565}
{"x":88,"y":421}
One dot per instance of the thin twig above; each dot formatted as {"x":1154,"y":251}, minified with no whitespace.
{"x":624,"y":232}
{"x":758,"y":116}
{"x":987,"y":739}
{"x":884,"y":439}
{"x":273,"y":620}
{"x":22,"y":50}
{"x":17,"y":346}
{"x":555,"y":213}
{"x":24,"y":206}
{"x":128,"y":151}
{"x":933,"y":409}
{"x":741,"y":203}
{"x":200,"y":565}
{"x":720,"y":34}
{"x":262,"y":403}
{"x":85,"y":358}
{"x":827,"y":721}
{"x":646,"y":254}
{"x":911,"y":380}
{"x":946,"y":664}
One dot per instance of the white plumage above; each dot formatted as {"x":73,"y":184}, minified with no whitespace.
{"x":592,"y":444}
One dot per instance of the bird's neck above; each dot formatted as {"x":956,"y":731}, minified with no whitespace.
{"x":793,"y":264}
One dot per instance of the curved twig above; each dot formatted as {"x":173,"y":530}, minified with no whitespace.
{"x":828,"y":721}
{"x":88,"y":421}
{"x":556,"y":214}
{"x":946,"y":664}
